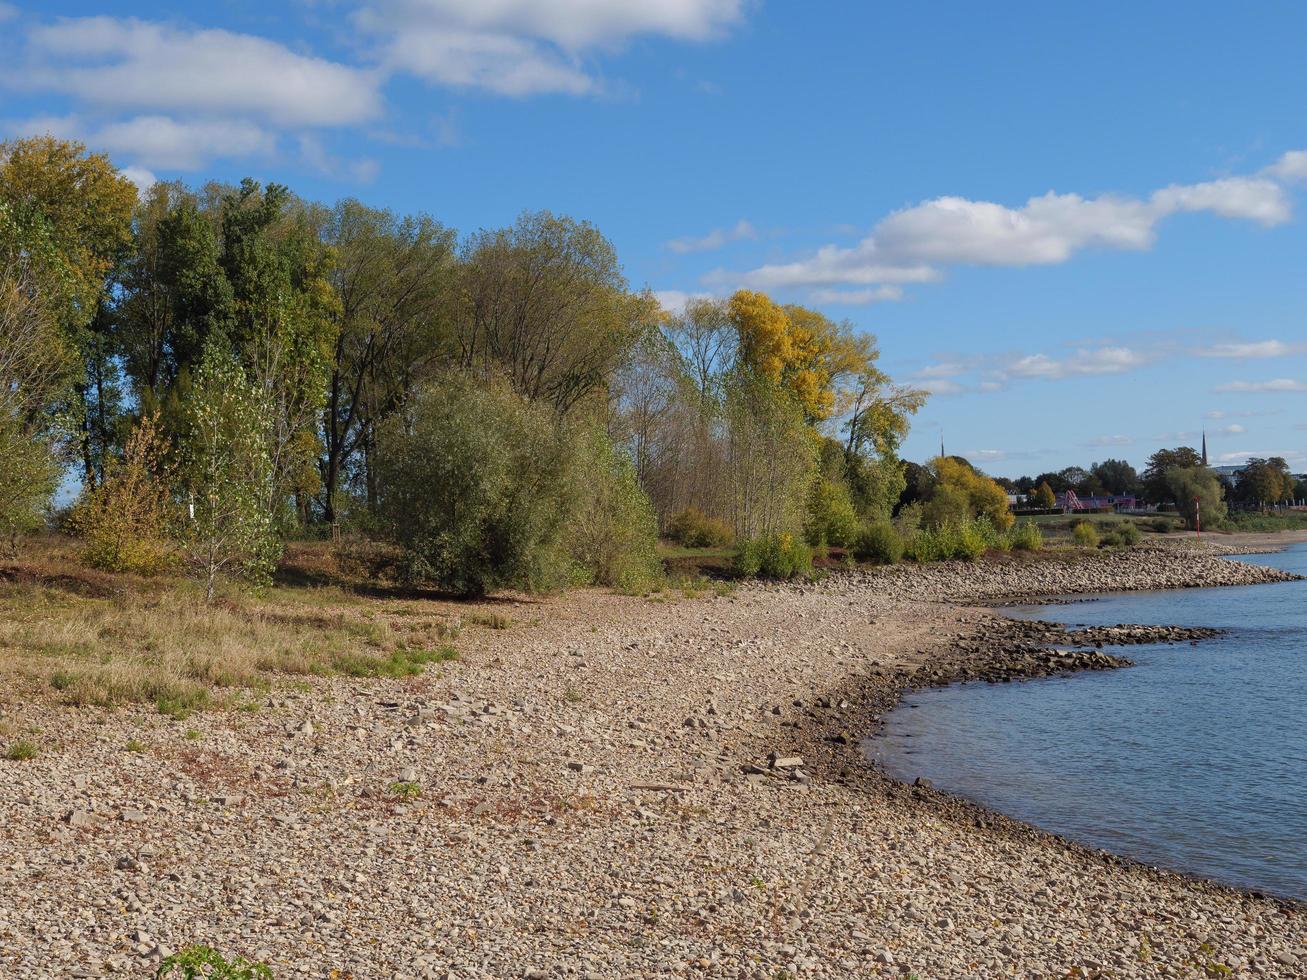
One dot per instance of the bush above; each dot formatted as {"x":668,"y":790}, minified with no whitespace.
{"x":206,"y":963}
{"x":831,"y":518}
{"x":879,"y":544}
{"x":473,"y":484}
{"x":1026,"y":536}
{"x":612,"y":531}
{"x":1085,"y":535}
{"x":775,"y":556}
{"x":1125,"y":534}
{"x":126,"y":521}
{"x":1162,"y":525}
{"x":692,"y":528}
{"x":964,"y":540}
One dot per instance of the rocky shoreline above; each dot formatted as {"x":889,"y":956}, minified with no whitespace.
{"x":610,"y":787}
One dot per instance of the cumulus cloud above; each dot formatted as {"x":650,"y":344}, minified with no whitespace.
{"x":741,"y":231}
{"x":159,"y":141}
{"x":674,"y":300}
{"x":915,"y":243}
{"x":1101,"y":360}
{"x":1276,"y":384}
{"x":1103,"y":442}
{"x":115,"y":63}
{"x":1252,"y":349}
{"x":1291,"y":166}
{"x":142,"y":178}
{"x":522,"y":47}
{"x":1291,"y":456}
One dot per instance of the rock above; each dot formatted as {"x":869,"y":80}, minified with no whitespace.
{"x":79,"y":818}
{"x":408,"y":775}
{"x":228,"y":799}
{"x":305,"y":728}
{"x":885,"y":957}
{"x":785,"y":761}
{"x":580,"y":767}
{"x":132,"y":816}
{"x":127,"y":863}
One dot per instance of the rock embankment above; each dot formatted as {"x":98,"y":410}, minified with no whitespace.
{"x":1033,"y":578}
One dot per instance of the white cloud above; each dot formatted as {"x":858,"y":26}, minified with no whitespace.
{"x":1101,"y":360}
{"x":128,"y":63}
{"x":1277,"y":384}
{"x":912,"y":244}
{"x":1252,"y":349}
{"x":141,"y":177}
{"x":857,"y":297}
{"x":1233,"y":429}
{"x":674,"y":300}
{"x":522,"y":47}
{"x":1290,"y":456}
{"x":742,"y":230}
{"x":159,"y":141}
{"x":941,"y":386}
{"x":1103,"y":442}
{"x":1291,"y":166}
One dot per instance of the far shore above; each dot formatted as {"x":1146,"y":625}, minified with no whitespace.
{"x":609,"y":786}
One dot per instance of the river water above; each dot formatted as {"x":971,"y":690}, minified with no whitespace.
{"x":1194,"y":760}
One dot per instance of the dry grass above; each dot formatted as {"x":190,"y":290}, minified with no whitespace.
{"x":96,"y":639}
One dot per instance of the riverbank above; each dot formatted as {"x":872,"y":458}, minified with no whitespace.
{"x":591,"y":791}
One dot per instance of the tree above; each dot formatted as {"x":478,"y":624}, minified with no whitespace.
{"x":544,"y":304}
{"x":394,"y":278}
{"x":1197,"y":494}
{"x":961,"y":493}
{"x":1156,"y":485}
{"x":1044,"y":498}
{"x":79,"y":206}
{"x":37,"y":364}
{"x":1117,"y":477}
{"x":801,"y":350}
{"x":1263,"y":482}
{"x":225,"y":474}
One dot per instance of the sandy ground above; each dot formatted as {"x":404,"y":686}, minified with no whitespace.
{"x":588,"y":794}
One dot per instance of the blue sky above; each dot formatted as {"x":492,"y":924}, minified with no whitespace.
{"x":1084,"y":228}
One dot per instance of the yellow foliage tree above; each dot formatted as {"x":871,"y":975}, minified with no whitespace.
{"x":961,"y":493}
{"x":801,"y":350}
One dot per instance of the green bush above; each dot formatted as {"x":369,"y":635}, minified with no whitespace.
{"x":473,"y":486}
{"x":612,"y":531}
{"x":964,"y":540}
{"x":831,"y":518}
{"x":1124,"y":535}
{"x":1162,"y":525}
{"x":1026,"y":536}
{"x":692,"y":528}
{"x":775,"y":556}
{"x":879,"y":544}
{"x":1085,"y":535}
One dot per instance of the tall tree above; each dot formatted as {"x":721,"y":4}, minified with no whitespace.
{"x":1157,"y":488}
{"x":394,"y":278}
{"x":544,"y":304}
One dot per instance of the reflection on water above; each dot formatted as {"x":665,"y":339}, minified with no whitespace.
{"x":1195,"y":759}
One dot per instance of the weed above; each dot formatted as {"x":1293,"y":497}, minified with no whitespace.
{"x":492,"y":621}
{"x":405,"y":790}
{"x":206,"y":963}
{"x":22,"y":751}
{"x":571,"y":695}
{"x":135,"y":745}
{"x":193,"y":735}
{"x":401,"y":662}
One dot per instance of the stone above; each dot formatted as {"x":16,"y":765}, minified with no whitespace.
{"x":580,"y":767}
{"x":132,"y":816}
{"x":228,"y":799}
{"x":305,"y":728}
{"x":79,"y":818}
{"x":785,"y":761}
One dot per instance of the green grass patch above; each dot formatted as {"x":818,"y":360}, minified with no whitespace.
{"x":401,"y":662}
{"x":22,"y":750}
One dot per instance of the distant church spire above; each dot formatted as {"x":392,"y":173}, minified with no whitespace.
{"x":1204,"y":447}
{"x":941,"y":444}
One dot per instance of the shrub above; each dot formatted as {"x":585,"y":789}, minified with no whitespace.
{"x":28,"y":478}
{"x":1026,"y":536}
{"x":126,"y":520}
{"x":612,"y":531}
{"x":879,"y":544}
{"x":473,"y":482}
{"x":831,"y":518}
{"x":1162,"y":525}
{"x":776,"y":556}
{"x":971,"y":540}
{"x":1085,"y":535}
{"x":1126,"y":534}
{"x":692,"y":528}
{"x":965,"y":540}
{"x":22,"y":750}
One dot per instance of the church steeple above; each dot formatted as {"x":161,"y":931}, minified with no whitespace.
{"x":1204,"y":447}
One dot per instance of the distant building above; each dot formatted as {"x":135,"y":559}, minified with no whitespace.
{"x":1070,"y":501}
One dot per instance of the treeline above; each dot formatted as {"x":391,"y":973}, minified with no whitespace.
{"x":1173,"y":477}
{"x":216,"y":369}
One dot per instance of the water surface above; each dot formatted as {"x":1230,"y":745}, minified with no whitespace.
{"x":1195,"y":759}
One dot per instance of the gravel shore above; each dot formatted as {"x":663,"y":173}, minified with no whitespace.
{"x":611,"y":787}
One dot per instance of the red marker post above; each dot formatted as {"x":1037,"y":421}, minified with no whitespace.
{"x":1198,"y":518}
